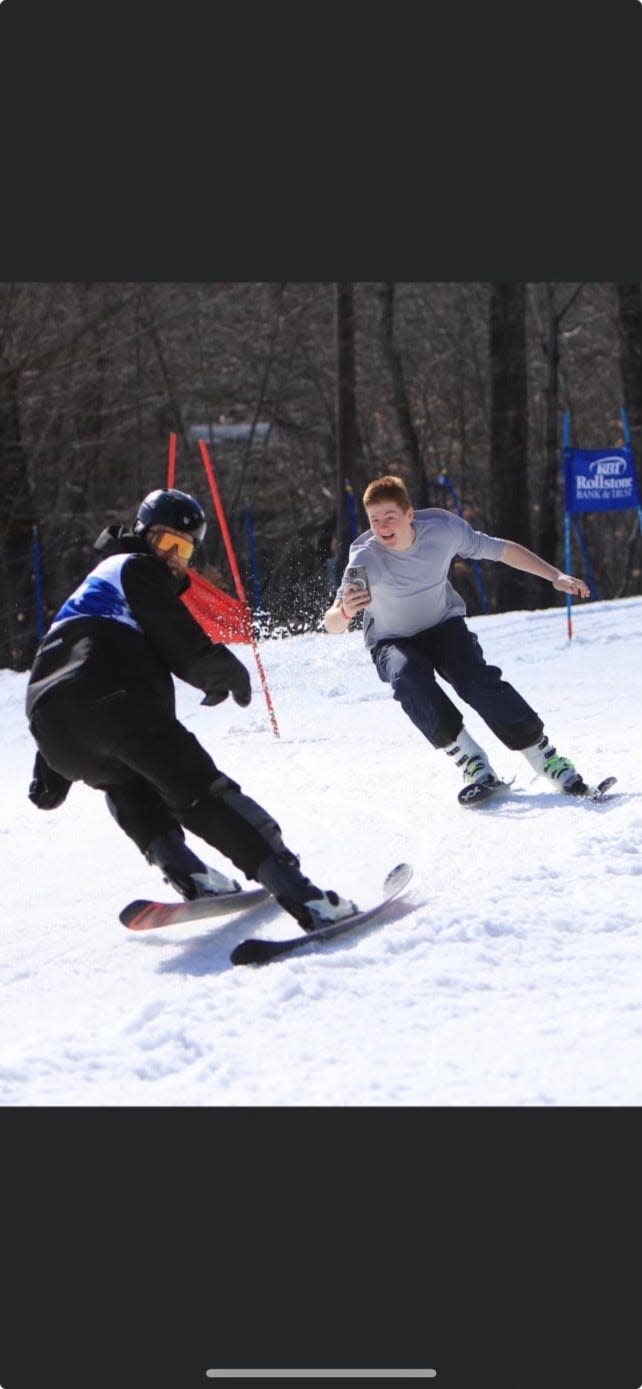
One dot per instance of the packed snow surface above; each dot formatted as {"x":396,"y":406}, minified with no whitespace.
{"x":509,"y":975}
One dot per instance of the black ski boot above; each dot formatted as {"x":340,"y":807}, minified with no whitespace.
{"x":185,"y":870}
{"x":309,"y":905}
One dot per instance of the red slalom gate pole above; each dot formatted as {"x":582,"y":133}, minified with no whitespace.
{"x":218,"y":507}
{"x":171,"y":463}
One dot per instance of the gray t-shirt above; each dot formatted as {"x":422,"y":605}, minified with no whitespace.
{"x":410,"y":588}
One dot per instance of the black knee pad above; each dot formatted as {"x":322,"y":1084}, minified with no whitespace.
{"x":229,"y":793}
{"x":233,"y":823}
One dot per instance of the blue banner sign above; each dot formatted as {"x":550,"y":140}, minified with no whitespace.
{"x":600,"y":480}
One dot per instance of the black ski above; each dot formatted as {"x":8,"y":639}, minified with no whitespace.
{"x":259,"y":952}
{"x":480,"y":791}
{"x":144,"y":915}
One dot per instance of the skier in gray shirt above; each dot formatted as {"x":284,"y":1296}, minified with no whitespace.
{"x":414,"y":627}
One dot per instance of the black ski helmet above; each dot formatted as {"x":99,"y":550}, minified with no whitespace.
{"x":174,"y":509}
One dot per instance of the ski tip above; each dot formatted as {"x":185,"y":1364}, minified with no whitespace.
{"x":397,"y":877}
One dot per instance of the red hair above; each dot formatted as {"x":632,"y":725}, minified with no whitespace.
{"x":387,"y":489}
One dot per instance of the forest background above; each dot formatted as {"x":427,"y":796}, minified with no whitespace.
{"x":305,"y":392}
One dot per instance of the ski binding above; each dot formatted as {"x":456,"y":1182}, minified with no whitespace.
{"x":598,"y":793}
{"x":255,"y":951}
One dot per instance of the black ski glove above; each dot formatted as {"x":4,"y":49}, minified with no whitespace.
{"x":215,"y":697}
{"x":47,"y":789}
{"x":221,"y":674}
{"x":236,"y":682}
{"x":242,"y":692}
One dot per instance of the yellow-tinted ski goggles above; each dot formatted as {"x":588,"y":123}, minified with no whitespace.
{"x":167,"y":540}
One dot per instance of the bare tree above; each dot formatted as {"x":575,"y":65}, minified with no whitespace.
{"x":629,"y":299}
{"x":18,"y":618}
{"x":407,"y":431}
{"x":548,"y":526}
{"x":509,"y":426}
{"x":346,"y":415}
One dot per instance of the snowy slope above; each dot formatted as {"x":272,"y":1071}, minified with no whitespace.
{"x":509,"y":976}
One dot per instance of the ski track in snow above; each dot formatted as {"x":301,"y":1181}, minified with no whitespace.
{"x":508,"y":975}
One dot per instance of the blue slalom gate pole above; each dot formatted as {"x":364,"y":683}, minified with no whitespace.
{"x":568,"y":565}
{"x":568,"y":548}
{"x":254,"y":564}
{"x":596,"y":480}
{"x":352,"y":510}
{"x":585,"y":556}
{"x":36,"y":556}
{"x":444,"y":481}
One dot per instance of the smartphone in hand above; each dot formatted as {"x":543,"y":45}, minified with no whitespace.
{"x":357,"y":577}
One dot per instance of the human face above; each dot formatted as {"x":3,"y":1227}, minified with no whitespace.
{"x":392,"y":525}
{"x":174,"y":548}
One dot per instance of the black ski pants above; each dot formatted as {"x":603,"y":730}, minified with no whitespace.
{"x":452,"y":652}
{"x":155,"y":773}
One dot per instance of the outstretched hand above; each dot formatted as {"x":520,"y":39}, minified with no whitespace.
{"x":566,"y":583}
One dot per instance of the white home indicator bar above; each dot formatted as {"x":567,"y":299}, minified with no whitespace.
{"x":321,"y":1374}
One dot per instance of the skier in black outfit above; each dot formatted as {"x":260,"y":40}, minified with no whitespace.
{"x":101,"y":707}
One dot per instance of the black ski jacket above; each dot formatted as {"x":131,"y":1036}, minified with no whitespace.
{"x":125,"y":627}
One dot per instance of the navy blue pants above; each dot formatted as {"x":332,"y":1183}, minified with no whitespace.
{"x":452,"y":652}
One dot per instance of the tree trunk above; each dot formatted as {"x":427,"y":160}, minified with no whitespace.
{"x":346,"y":417}
{"x":508,"y":440}
{"x":18,"y":624}
{"x":551,"y":485}
{"x":630,"y":331}
{"x":400,"y":395}
{"x":548,"y":531}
